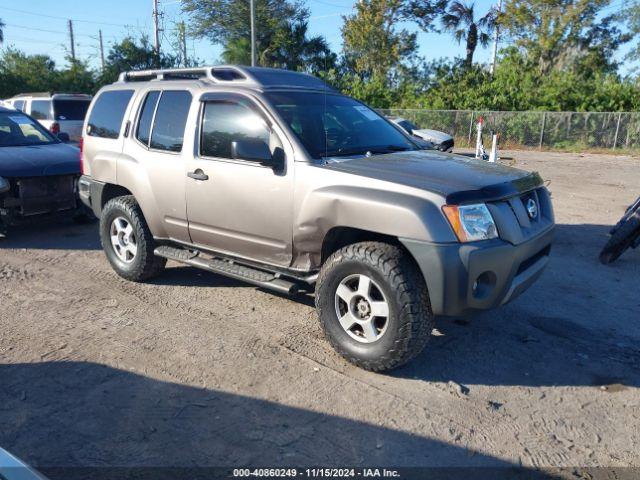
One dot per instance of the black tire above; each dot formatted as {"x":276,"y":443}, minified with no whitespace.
{"x":410,"y":319}
{"x":623,"y":238}
{"x":145,"y":264}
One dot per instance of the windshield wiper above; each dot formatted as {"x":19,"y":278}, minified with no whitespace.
{"x":398,"y":148}
{"x":374,"y":150}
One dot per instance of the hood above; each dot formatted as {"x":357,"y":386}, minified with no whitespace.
{"x":432,"y":135}
{"x":457,"y":178}
{"x":39,"y":160}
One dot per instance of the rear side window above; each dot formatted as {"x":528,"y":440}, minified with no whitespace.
{"x":170,"y":121}
{"x":41,"y":109}
{"x":70,"y":109}
{"x":224,"y":122}
{"x":146,"y":117}
{"x":107,"y":114}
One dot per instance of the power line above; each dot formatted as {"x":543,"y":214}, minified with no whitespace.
{"x":59,"y":32}
{"x":65,"y":18}
{"x":30,"y":40}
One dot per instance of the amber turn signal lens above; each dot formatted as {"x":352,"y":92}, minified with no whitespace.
{"x":452,"y":214}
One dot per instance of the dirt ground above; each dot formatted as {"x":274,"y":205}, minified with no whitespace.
{"x":197,"y":369}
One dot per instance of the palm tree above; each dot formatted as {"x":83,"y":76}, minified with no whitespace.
{"x":459,"y":19}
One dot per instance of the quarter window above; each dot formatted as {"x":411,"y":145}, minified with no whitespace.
{"x":146,"y":117}
{"x":41,"y":109}
{"x":170,"y":121}
{"x":107,"y":114}
{"x":228,"y":121}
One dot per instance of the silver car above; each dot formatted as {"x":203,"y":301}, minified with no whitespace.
{"x":441,"y":141}
{"x":274,"y":178}
{"x":60,"y":113}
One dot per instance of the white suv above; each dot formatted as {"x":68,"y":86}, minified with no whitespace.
{"x":59,"y":113}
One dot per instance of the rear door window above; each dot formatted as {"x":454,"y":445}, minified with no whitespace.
{"x":170,"y":120}
{"x":143,"y":133}
{"x":41,"y":109}
{"x":107,"y":114}
{"x":70,"y":109}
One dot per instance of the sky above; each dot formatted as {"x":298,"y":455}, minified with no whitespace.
{"x":41,"y":26}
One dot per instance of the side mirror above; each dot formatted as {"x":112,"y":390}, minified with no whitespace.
{"x":64,"y":137}
{"x":252,"y":149}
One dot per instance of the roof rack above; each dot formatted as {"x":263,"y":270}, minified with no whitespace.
{"x":260,"y":77}
{"x":34,"y":94}
{"x":49,"y":94}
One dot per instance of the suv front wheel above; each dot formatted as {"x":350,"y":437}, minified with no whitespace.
{"x":127,"y":240}
{"x":373,"y":305}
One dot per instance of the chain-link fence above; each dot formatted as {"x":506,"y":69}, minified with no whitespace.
{"x":543,"y":130}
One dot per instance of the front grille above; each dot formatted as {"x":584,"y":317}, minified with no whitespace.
{"x":515,"y":224}
{"x":46,"y":194}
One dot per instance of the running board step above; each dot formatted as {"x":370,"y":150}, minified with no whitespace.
{"x":254,"y":276}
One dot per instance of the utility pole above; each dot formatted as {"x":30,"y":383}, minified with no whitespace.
{"x":253,"y":32}
{"x":182,"y":35}
{"x":496,"y":35}
{"x":156,"y":28}
{"x":101,"y":49}
{"x":72,"y":43}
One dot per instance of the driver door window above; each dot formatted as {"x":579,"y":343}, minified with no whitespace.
{"x":224,"y":122}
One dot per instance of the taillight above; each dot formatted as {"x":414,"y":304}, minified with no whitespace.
{"x":55,"y":128}
{"x":80,"y":146}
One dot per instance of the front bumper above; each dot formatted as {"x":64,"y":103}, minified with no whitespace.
{"x":463,"y":278}
{"x":90,"y":192}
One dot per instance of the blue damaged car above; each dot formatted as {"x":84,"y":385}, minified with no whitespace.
{"x":38,"y":172}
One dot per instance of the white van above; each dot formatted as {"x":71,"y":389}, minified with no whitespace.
{"x":58,"y":112}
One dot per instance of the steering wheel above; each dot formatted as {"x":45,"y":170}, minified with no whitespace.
{"x":338,"y":138}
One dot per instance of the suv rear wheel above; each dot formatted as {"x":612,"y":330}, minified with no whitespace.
{"x":127,"y":240}
{"x":373,"y":305}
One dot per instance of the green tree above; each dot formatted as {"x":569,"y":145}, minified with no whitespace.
{"x":76,"y":78}
{"x":25,"y":73}
{"x":281,"y":33}
{"x":631,"y":15}
{"x":564,"y":34}
{"x":460,"y":20}
{"x":1,"y":31}
{"x":133,"y":54}
{"x":424,"y":13}
{"x":373,"y":45}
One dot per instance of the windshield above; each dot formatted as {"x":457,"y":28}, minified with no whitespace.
{"x":334,"y":125}
{"x":70,"y":109}
{"x":408,"y":126}
{"x":18,"y":130}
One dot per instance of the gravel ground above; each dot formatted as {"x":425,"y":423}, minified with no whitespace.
{"x":197,"y":369}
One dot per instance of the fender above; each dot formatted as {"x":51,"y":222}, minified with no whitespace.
{"x":380,"y":211}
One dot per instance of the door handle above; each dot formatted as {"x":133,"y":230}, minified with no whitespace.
{"x":198,"y":175}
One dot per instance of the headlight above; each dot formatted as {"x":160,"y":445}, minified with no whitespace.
{"x":471,"y":222}
{"x":4,"y":185}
